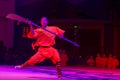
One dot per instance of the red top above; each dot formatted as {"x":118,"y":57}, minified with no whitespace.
{"x":45,"y":38}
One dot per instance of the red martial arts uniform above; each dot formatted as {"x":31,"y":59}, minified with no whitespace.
{"x":98,"y":61}
{"x":90,"y":61}
{"x":115,"y":63}
{"x":45,"y":40}
{"x":103,"y":62}
{"x":64,"y":58}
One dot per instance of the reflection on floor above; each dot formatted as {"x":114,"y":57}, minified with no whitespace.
{"x":49,"y":73}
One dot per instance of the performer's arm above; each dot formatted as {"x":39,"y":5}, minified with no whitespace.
{"x":32,"y":30}
{"x":61,"y":35}
{"x":31,"y":34}
{"x":60,"y":32}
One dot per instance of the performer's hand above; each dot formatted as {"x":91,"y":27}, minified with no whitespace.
{"x":61,"y":36}
{"x":33,"y":46}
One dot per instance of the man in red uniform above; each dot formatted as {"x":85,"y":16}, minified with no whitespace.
{"x":98,"y":60}
{"x":90,"y":61}
{"x":104,"y":61}
{"x":115,"y":62}
{"x":45,"y":41}
{"x":64,"y":58}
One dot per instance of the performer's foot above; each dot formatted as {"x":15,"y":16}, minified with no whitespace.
{"x":18,"y":67}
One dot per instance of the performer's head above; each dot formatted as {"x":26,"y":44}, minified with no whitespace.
{"x":44,"y":21}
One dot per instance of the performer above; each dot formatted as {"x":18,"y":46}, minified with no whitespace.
{"x":110,"y":61}
{"x":90,"y":61}
{"x":64,"y":58}
{"x":104,"y":61}
{"x":115,"y":62}
{"x":45,"y":41}
{"x":98,"y":60}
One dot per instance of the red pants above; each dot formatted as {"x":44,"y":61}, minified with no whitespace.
{"x":42,"y":54}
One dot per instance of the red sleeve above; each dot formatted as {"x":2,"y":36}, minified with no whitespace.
{"x":59,"y":31}
{"x":30,"y":35}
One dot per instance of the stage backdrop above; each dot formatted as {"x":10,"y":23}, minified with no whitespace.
{"x":6,"y":26}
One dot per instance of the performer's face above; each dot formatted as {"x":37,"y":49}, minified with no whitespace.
{"x":44,"y":21}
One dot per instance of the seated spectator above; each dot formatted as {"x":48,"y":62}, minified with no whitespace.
{"x":110,"y":61}
{"x":115,"y":62}
{"x":98,"y":60}
{"x":103,"y":61}
{"x":90,"y":61}
{"x":64,"y":58}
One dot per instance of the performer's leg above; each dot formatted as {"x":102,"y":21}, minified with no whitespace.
{"x":56,"y":60}
{"x":33,"y":60}
{"x":37,"y":58}
{"x":58,"y":67}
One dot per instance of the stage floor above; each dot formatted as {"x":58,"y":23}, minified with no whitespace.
{"x":49,"y":73}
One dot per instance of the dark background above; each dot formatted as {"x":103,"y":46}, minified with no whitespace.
{"x":89,"y":39}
